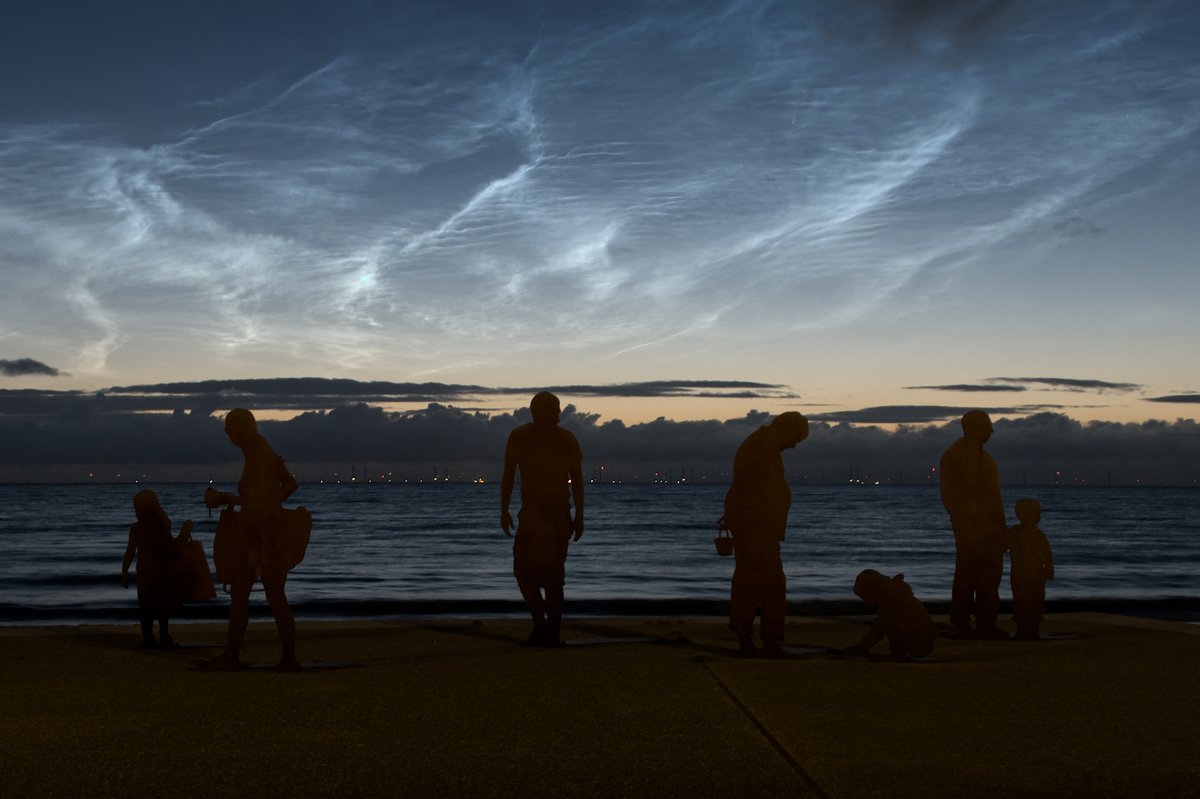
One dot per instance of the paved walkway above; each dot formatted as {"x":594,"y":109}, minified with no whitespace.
{"x":630,"y":708}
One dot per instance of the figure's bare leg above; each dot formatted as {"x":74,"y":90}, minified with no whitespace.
{"x":772,"y":646}
{"x":987,"y":591}
{"x":532,"y":594}
{"x":164,"y":637}
{"x":239,"y":617}
{"x":1026,"y":617}
{"x":987,"y":598}
{"x":773,"y":613}
{"x":899,"y":648}
{"x":148,"y":631}
{"x":285,"y":621}
{"x":961,"y":603}
{"x":741,"y":615}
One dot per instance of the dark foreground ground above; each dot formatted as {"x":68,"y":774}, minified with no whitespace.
{"x":631,"y":707}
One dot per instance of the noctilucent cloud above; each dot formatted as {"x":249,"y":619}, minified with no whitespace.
{"x":874,"y":204}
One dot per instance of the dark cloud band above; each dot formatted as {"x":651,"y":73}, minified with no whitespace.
{"x":981,"y":387}
{"x":313,"y":393}
{"x":918,"y":414}
{"x":24,"y":367}
{"x":1067,"y":383}
{"x":1041,"y":447}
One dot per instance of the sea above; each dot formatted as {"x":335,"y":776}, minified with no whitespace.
{"x":403,"y":550}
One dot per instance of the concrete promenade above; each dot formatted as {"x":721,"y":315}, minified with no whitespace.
{"x":631,"y":707}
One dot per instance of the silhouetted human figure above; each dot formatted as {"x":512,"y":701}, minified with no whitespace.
{"x":547,"y":457}
{"x":901,"y":617}
{"x":1032,"y":566}
{"x":162,"y":572}
{"x":258,"y":541}
{"x":971,"y":493}
{"x":756,"y":512}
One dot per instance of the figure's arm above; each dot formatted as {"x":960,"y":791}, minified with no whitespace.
{"x":506,"y":486}
{"x":731,"y":507}
{"x":993,"y":521}
{"x":577,"y":495}
{"x":130,"y":548}
{"x":748,"y":499}
{"x":1009,"y":535}
{"x":215,"y":499}
{"x":873,"y":636}
{"x":947,"y":485}
{"x":999,"y":521}
{"x":996,"y":497}
{"x":1049,"y":557}
{"x":287,"y":482}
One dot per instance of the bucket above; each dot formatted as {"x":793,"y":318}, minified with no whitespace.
{"x":724,"y":543}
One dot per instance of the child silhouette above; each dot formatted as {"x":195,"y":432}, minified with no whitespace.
{"x":1032,"y":566}
{"x":162,"y":573}
{"x":901,"y":617}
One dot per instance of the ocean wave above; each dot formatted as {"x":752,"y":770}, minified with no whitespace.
{"x":1175,"y":608}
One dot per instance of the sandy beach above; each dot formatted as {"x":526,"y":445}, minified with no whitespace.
{"x":629,"y":707}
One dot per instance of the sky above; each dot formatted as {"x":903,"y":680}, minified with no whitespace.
{"x":876,"y":212}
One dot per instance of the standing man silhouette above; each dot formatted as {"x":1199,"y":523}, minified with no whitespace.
{"x":971,"y":493}
{"x":547,"y":457}
{"x":756,"y":511}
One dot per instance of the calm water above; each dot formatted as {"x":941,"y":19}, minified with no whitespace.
{"x":391,"y":549}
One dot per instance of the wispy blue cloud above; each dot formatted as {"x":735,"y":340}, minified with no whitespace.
{"x":450,"y":190}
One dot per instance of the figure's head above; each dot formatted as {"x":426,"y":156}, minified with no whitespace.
{"x":545,"y":408}
{"x":790,"y":428}
{"x":147,"y":508}
{"x":1029,"y":511}
{"x":870,"y":586}
{"x":977,"y":426}
{"x":240,"y":426}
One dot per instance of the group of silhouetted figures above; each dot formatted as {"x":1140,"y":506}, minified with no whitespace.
{"x":258,"y":540}
{"x":756,"y":511}
{"x":261,"y":542}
